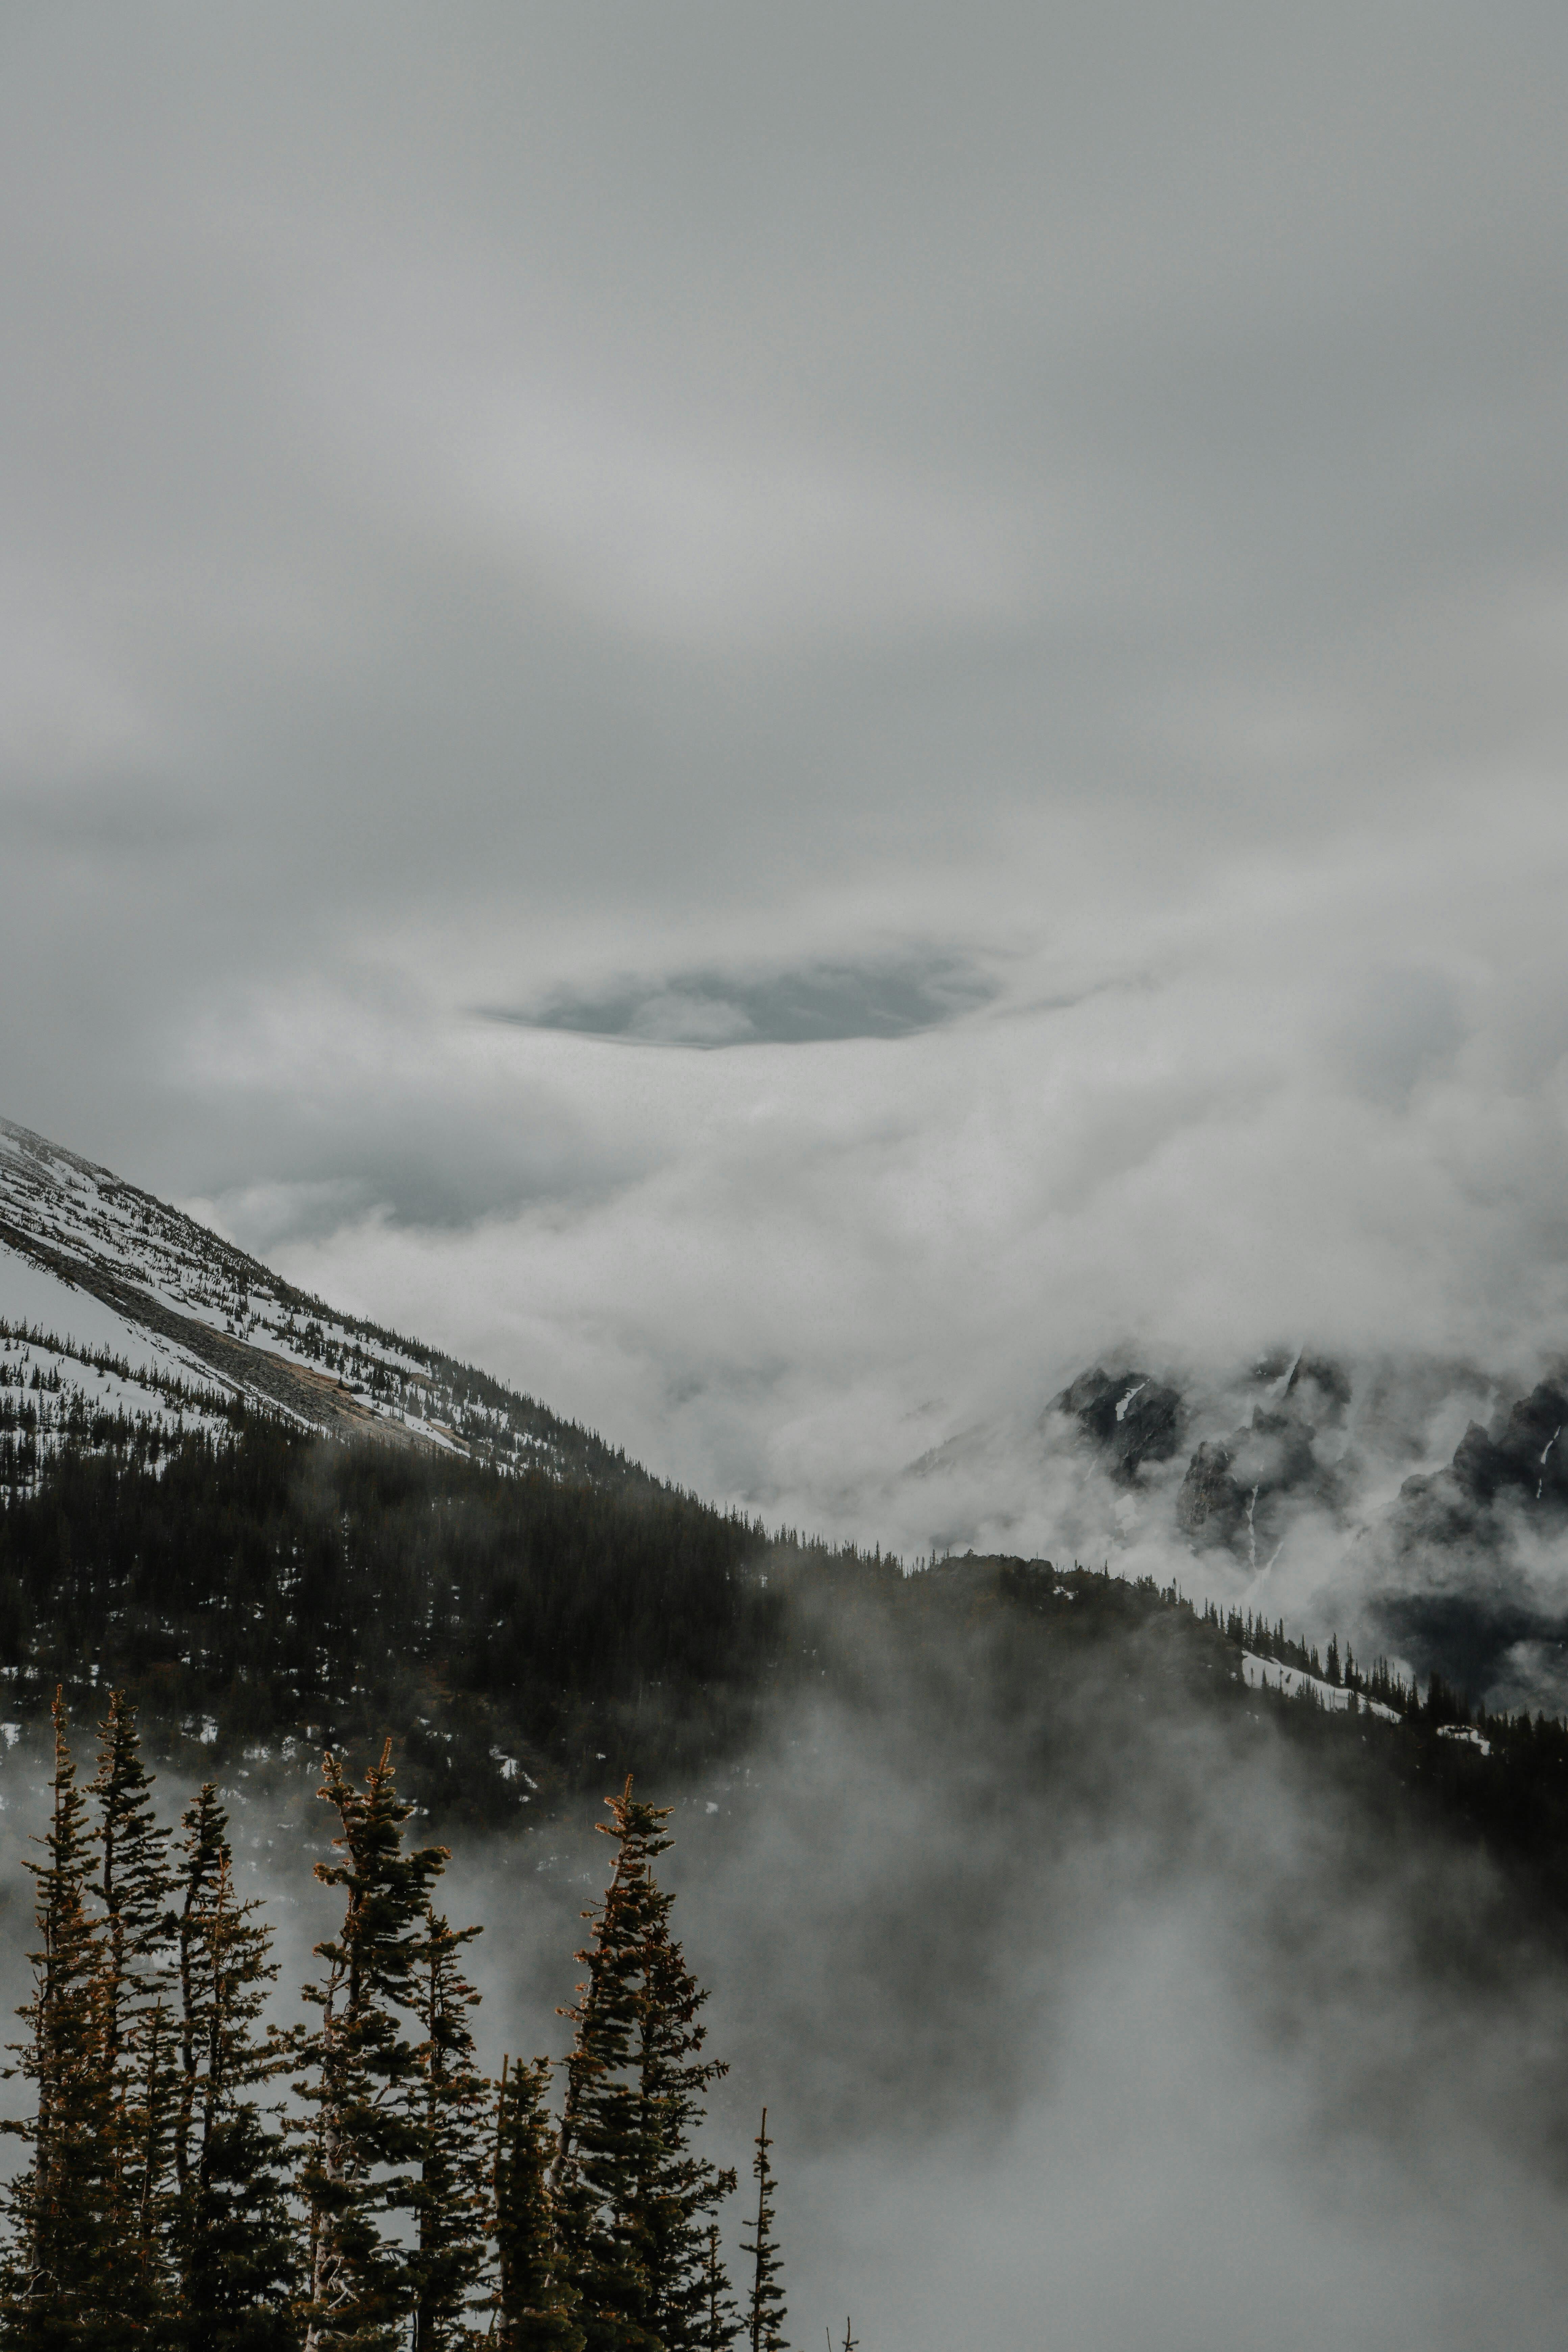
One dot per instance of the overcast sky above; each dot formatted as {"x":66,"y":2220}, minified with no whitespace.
{"x":787,"y":717}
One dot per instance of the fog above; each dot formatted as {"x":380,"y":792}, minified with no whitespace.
{"x":1148,"y":2046}
{"x":1087,"y":2018}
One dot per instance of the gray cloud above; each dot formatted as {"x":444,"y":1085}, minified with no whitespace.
{"x":652,"y":518}
{"x":650,"y":521}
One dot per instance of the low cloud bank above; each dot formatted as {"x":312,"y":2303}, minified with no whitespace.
{"x":840,"y":1285}
{"x":1085,"y":2012}
{"x":1101,"y":2025}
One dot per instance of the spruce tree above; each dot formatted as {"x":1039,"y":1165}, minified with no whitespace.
{"x":133,"y":1880}
{"x":682,"y":2187}
{"x":450,"y":2197}
{"x":532,"y":2301}
{"x":720,"y":2316}
{"x":233,"y":2240}
{"x":358,"y":2181}
{"x":64,"y":2239}
{"x":145,"y":2121}
{"x":132,"y":1886}
{"x":765,"y":2313}
{"x":632,"y":2196}
{"x":603,"y":2161}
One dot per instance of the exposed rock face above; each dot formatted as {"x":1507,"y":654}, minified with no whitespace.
{"x":1526,"y":1454}
{"x":1212,"y":1504}
{"x":1130,"y":1415}
{"x":1233,"y":1489}
{"x":1522,"y":1461}
{"x":1458,"y":1598}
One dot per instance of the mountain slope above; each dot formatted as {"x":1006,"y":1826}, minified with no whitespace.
{"x":123,"y":1322}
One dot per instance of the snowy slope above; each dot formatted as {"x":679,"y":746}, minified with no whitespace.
{"x":1268,"y":1673}
{"x":122,"y":1320}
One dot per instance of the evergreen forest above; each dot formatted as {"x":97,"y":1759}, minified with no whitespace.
{"x":517,"y":1635}
{"x":196,"y":2175}
{"x":479,"y":1655}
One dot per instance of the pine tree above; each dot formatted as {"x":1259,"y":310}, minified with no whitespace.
{"x":766,"y":2313}
{"x":720,"y":2315}
{"x":132,"y":1885}
{"x":357,"y":2181}
{"x":133,"y":1879}
{"x":146,"y":2114}
{"x":61,"y":2207}
{"x":232,"y":2240}
{"x":682,"y":2187}
{"x":603,"y":2157}
{"x":450,"y":2197}
{"x":633,"y":2198}
{"x":532,"y":2301}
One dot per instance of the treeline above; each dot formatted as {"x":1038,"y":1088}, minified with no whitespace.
{"x":34,"y":1427}
{"x":1442,"y":1705}
{"x":274,"y":1584}
{"x":196,"y":2178}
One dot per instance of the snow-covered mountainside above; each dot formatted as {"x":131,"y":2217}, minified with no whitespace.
{"x":122,"y":1320}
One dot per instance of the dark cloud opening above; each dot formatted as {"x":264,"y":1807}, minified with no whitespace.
{"x":811,"y":1005}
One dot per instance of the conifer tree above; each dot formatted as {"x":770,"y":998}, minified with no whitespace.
{"x":632,"y":2197}
{"x":682,"y":2187}
{"x":357,"y":2179}
{"x":132,"y":1885}
{"x":449,"y":2199}
{"x":232,"y":2240}
{"x":61,"y":2206}
{"x":133,"y":1879}
{"x":721,"y":2314}
{"x":532,"y":2301}
{"x":145,"y":2118}
{"x":603,"y":2158}
{"x":765,"y":2313}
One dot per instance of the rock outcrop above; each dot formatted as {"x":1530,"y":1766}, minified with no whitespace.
{"x":1132,"y":1417}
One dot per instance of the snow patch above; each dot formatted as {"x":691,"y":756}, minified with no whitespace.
{"x":1268,"y":1673}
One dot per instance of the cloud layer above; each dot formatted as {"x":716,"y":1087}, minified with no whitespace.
{"x":658,"y":523}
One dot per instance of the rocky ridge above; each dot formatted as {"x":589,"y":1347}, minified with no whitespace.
{"x":124,"y":1319}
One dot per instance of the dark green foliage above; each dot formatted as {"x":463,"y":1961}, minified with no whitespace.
{"x":764,"y":2302}
{"x":155,"y":2210}
{"x":634,"y":2198}
{"x":359,"y":2178}
{"x":682,"y":2188}
{"x":721,"y":2312}
{"x":278,"y":1581}
{"x":68,"y":2257}
{"x":239,"y":2262}
{"x":132,"y":1889}
{"x":533,"y":2304}
{"x":233,"y":2237}
{"x":605,"y":2154}
{"x":450,"y":2202}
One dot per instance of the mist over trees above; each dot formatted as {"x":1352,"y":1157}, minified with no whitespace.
{"x":196,"y":2175}
{"x":359,"y":2178}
